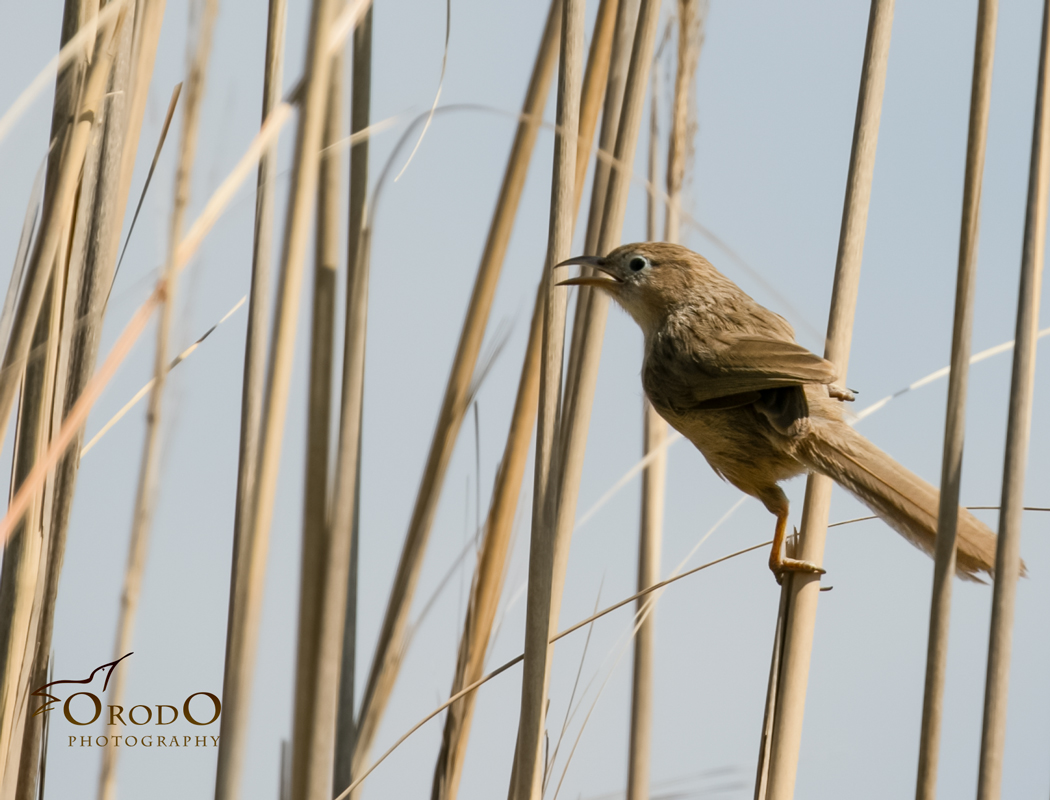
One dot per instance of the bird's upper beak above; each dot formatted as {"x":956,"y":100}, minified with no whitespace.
{"x":607,"y":279}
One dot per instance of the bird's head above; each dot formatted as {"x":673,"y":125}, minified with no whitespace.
{"x":650,"y":279}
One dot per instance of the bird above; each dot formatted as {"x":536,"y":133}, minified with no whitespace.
{"x":727,"y":374}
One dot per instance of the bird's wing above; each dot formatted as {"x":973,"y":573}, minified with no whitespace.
{"x":731,"y":374}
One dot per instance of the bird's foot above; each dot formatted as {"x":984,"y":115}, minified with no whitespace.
{"x":782,"y":566}
{"x":841,"y":393}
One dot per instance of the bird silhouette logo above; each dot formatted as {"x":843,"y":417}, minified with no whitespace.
{"x":50,"y":699}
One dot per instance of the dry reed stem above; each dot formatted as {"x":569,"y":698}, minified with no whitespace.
{"x":22,"y":254}
{"x":577,"y":407}
{"x":27,"y":551}
{"x":1019,"y":422}
{"x":437,"y":94}
{"x":655,"y":429}
{"x":539,"y":620}
{"x":249,"y":551}
{"x":164,"y":128}
{"x":691,"y":15}
{"x":54,"y":223}
{"x":78,"y":414}
{"x":623,"y":35}
{"x":955,"y":422}
{"x":149,"y":16}
{"x":626,"y":15}
{"x":804,"y":588}
{"x":653,"y":479}
{"x":71,"y":51}
{"x":488,"y":581}
{"x":323,"y":563}
{"x":89,"y":277}
{"x":487,"y":584}
{"x":387,"y":658}
{"x":57,"y":217}
{"x":222,"y":196}
{"x":25,"y":554}
{"x":146,"y":492}
{"x":313,"y":101}
{"x":213,"y":210}
{"x":346,"y":491}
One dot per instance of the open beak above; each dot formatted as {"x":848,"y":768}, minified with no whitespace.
{"x":605,"y":279}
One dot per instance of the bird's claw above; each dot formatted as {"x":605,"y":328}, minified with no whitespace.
{"x":782,"y":566}
{"x":841,"y":393}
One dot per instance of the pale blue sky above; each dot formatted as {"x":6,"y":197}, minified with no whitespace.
{"x":776,"y":97}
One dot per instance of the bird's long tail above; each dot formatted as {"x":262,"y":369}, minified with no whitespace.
{"x":906,"y":502}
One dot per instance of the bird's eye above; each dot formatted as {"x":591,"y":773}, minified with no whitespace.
{"x":638,"y":263}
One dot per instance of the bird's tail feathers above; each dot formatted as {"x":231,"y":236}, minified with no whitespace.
{"x":906,"y":502}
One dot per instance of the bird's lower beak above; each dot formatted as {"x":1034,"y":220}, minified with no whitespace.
{"x":606,"y":279}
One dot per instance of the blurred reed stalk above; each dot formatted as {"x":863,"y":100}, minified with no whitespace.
{"x":679,"y":155}
{"x":27,"y":548}
{"x":325,"y":559}
{"x":22,"y":552}
{"x":955,"y":422}
{"x":544,"y":604}
{"x":149,"y":471}
{"x":1018,"y":428}
{"x":488,"y":578}
{"x":313,"y":98}
{"x":36,"y":319}
{"x":623,"y":35}
{"x":249,"y":554}
{"x":386,"y":661}
{"x":59,"y":199}
{"x":803,"y":588}
{"x":654,"y":432}
{"x":104,"y":193}
{"x":528,"y":771}
{"x":346,"y":492}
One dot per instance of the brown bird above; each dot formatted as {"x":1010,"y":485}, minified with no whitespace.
{"x":728,"y":375}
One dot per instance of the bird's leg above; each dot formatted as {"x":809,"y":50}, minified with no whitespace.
{"x":777,"y":562}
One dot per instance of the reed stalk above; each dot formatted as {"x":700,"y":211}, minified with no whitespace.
{"x":386,"y":660}
{"x":56,"y":217}
{"x":623,"y":35}
{"x":20,"y":601}
{"x":149,"y":471}
{"x":528,"y":772}
{"x":248,"y":562}
{"x":488,"y":577}
{"x":26,"y":550}
{"x":577,"y":406}
{"x":803,"y":588}
{"x":653,"y":482}
{"x":90,"y":274}
{"x":324,"y":39}
{"x":655,"y":431}
{"x":955,"y":422}
{"x":488,"y":580}
{"x":1018,"y":427}
{"x":324,"y":558}
{"x":346,"y":497}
